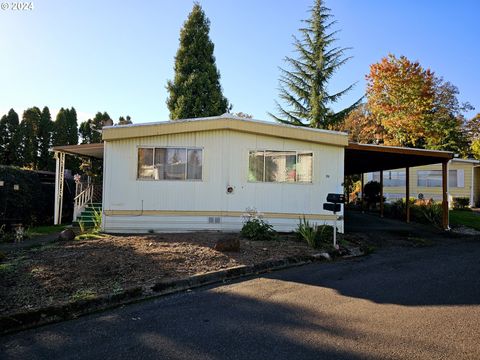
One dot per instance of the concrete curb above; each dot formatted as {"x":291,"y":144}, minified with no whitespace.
{"x":72,"y":310}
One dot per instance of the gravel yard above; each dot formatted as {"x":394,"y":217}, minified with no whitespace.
{"x":63,"y":271}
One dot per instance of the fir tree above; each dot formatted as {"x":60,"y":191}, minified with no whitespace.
{"x":10,"y":139}
{"x":303,"y":87}
{"x":66,"y":127}
{"x":124,"y":121}
{"x":29,"y":133}
{"x":89,"y":130}
{"x":45,"y":130}
{"x":195,"y":90}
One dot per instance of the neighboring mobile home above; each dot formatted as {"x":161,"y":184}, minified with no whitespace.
{"x":426,"y":181}
{"x":203,"y":174}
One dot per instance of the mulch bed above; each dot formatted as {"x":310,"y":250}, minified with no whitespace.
{"x":60,"y":272}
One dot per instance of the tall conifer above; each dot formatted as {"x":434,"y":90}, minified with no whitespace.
{"x":10,"y":139}
{"x":304,"y":85}
{"x":195,"y":90}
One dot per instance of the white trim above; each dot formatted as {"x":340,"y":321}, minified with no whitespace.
{"x":187,"y":148}
{"x":470,"y":161}
{"x":296,"y":162}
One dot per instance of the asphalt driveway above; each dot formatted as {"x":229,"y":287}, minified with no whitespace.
{"x":399,"y":303}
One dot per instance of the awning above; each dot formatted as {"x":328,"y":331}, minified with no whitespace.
{"x":87,"y":150}
{"x":363,"y":158}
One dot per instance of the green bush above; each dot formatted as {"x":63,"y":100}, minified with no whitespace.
{"x":33,"y":202}
{"x":314,"y":235}
{"x":372,"y":191}
{"x":307,"y":233}
{"x":428,"y":213}
{"x":257,"y":229}
{"x":325,"y":234}
{"x":421,"y":211}
{"x":461,"y":202}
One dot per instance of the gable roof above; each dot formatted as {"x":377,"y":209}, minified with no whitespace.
{"x":225,"y":122}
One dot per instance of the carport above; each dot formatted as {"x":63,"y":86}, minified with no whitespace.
{"x":85,"y":195}
{"x":363,"y":158}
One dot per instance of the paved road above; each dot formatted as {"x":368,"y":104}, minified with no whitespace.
{"x":396,"y":304}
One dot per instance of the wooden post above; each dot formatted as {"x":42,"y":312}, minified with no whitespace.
{"x":407,"y":194}
{"x":381,"y":193}
{"x":445,"y":220}
{"x":362,"y":185}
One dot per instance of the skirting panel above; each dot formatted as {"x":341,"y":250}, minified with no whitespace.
{"x":156,"y":223}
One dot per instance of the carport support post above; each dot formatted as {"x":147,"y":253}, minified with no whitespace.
{"x":362,"y":181}
{"x":59,"y":178}
{"x":381,"y":193}
{"x":407,"y":193}
{"x":445,"y":222}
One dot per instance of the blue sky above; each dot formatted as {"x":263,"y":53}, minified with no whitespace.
{"x":116,"y":56}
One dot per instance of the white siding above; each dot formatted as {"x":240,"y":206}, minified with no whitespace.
{"x":225,"y":163}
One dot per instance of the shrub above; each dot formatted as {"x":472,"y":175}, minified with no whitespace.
{"x":97,"y":221}
{"x":428,"y":213}
{"x":314,"y":235}
{"x":325,"y":234}
{"x":372,"y":191}
{"x":422,"y":211}
{"x":307,"y":232}
{"x":33,"y":203}
{"x":255,"y":228}
{"x":258,"y":230}
{"x":461,"y":202}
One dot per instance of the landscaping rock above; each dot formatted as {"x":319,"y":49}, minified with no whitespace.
{"x":66,"y":235}
{"x":323,"y":255}
{"x":354,"y":252}
{"x":232,"y":244}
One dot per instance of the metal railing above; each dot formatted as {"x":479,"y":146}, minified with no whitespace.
{"x":84,"y":196}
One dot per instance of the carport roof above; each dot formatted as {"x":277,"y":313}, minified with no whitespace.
{"x":363,"y":158}
{"x":88,"y":150}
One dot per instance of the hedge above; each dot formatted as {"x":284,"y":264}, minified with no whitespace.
{"x":33,"y":202}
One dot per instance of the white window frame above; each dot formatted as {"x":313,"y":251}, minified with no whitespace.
{"x":440,"y":172}
{"x":170,"y":147}
{"x":296,"y":182}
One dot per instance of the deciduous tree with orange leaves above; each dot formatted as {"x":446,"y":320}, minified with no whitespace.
{"x":400,"y":97}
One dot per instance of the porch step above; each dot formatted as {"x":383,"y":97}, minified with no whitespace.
{"x":88,"y":215}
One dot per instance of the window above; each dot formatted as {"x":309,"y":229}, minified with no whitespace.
{"x":169,"y":163}
{"x":391,"y":178}
{"x":280,"y":166}
{"x":433,"y":178}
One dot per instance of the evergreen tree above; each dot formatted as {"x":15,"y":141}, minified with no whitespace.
{"x":66,"y":133}
{"x":29,"y":134}
{"x":89,"y":130}
{"x":303,"y":87}
{"x":45,"y":130}
{"x":124,"y":121}
{"x":66,"y":127}
{"x":10,"y":139}
{"x":195,"y":90}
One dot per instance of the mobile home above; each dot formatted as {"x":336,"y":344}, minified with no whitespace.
{"x":206,"y":174}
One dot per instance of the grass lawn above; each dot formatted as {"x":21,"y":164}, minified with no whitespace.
{"x":45,"y":229}
{"x":465,"y":218}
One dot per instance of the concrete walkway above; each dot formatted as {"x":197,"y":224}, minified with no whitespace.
{"x":35,"y":241}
